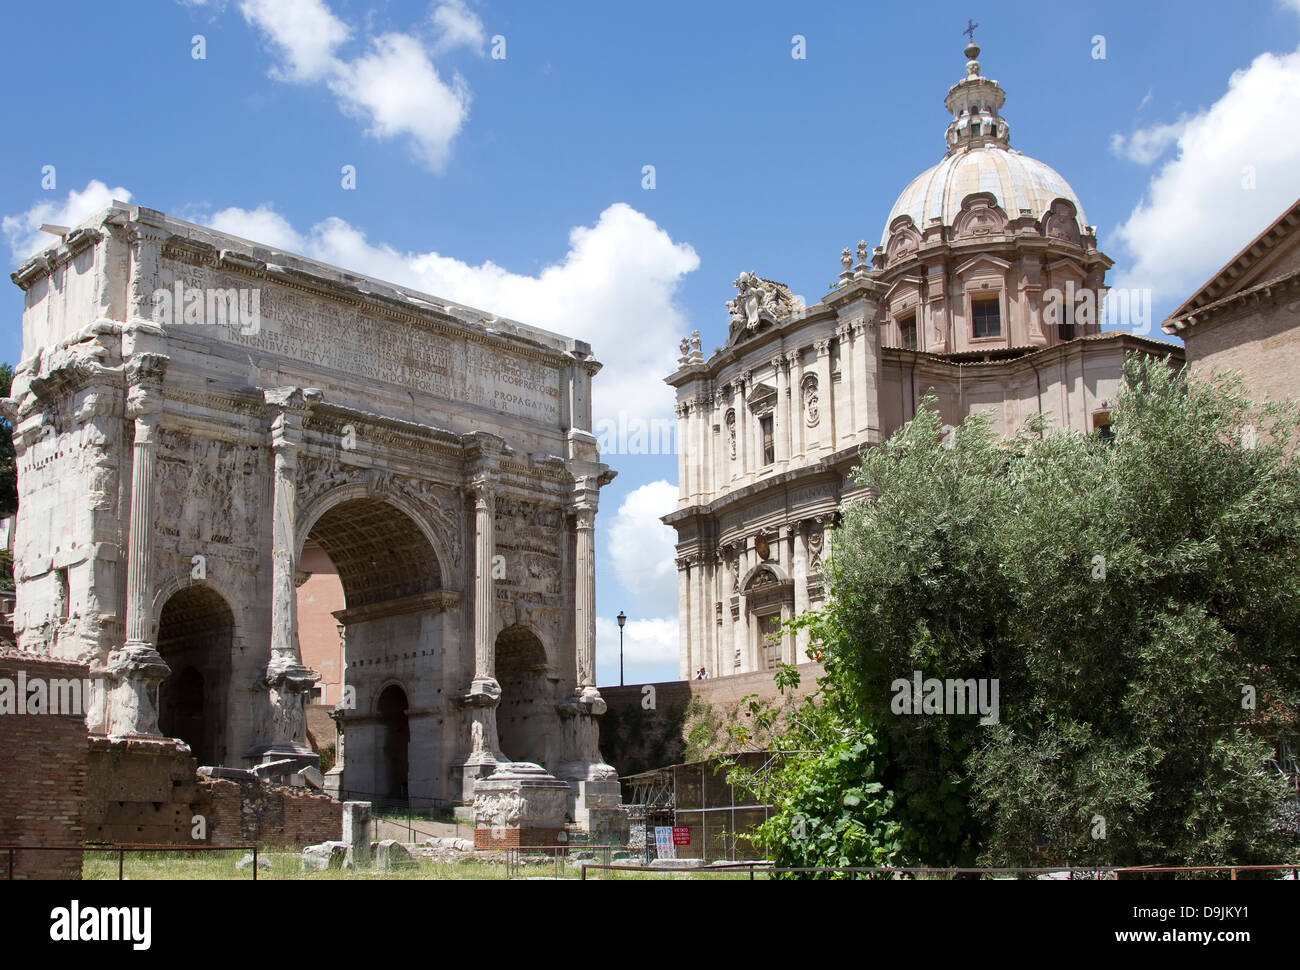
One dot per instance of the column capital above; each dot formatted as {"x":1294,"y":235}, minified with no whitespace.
{"x":144,"y":378}
{"x":823,"y":346}
{"x":483,"y":489}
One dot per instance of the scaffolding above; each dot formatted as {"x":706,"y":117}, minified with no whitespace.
{"x":694,"y":795}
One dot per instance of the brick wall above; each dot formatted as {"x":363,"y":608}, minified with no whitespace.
{"x":1260,"y":339}
{"x":42,"y":777}
{"x":140,"y":790}
{"x":250,"y":811}
{"x":148,"y":790}
{"x":509,"y":838}
{"x":634,"y":739}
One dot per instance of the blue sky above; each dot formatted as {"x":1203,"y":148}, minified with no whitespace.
{"x":515,"y":183}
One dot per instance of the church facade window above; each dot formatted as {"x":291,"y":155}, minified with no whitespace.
{"x":986,"y":317}
{"x":907,"y":332}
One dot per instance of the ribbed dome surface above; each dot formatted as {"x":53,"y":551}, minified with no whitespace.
{"x":1017,"y":181}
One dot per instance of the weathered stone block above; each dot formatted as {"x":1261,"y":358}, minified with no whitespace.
{"x":326,"y":855}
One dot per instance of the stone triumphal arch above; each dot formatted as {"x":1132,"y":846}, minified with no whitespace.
{"x":192,"y":409}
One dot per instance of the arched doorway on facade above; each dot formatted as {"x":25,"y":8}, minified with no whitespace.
{"x":769,"y":602}
{"x":367,"y":569}
{"x":394,"y":738}
{"x":195,"y":637}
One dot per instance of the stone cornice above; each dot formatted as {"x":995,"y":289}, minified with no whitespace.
{"x":1029,"y":356}
{"x":1254,"y":294}
{"x":437,"y":601}
{"x":756,"y":351}
{"x":47,"y":261}
{"x":825,"y":470}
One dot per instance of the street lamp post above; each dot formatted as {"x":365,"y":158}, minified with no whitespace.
{"x":622,"y":618}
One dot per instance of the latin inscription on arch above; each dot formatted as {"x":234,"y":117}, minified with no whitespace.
{"x":322,"y":333}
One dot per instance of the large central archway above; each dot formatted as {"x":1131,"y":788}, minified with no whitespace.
{"x":393,"y":636}
{"x":195,"y":638}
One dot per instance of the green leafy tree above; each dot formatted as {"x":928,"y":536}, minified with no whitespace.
{"x":831,"y":806}
{"x":1130,"y":595}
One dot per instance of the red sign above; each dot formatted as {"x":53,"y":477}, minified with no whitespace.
{"x":681,"y":835}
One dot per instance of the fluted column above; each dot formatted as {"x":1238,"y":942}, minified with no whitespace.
{"x":137,"y":669}
{"x":138,"y":555}
{"x":287,"y":680}
{"x":583,"y":761}
{"x":484,"y":691}
{"x":584,"y":619}
{"x":484,"y":585}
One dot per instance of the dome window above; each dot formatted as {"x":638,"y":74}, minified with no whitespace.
{"x":986,"y":317}
{"x":907,"y":332}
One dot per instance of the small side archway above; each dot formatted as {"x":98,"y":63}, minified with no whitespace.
{"x":393,"y":741}
{"x":195,"y":637}
{"x":526,"y":714}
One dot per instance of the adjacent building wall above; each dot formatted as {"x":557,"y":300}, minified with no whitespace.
{"x":43,"y":775}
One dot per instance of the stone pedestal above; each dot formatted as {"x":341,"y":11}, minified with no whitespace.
{"x":590,"y":798}
{"x":519,"y":804}
{"x":356,"y":832}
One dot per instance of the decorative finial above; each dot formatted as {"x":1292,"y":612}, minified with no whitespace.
{"x":862,"y":251}
{"x":972,"y":50}
{"x":846,"y":258}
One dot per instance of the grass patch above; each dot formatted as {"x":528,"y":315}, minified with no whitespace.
{"x":286,"y":864}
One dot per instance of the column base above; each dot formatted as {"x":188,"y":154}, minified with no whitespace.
{"x":137,"y":669}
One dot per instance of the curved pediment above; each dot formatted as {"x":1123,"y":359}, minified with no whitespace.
{"x":980,"y":216}
{"x":904,"y":239}
{"x":1062,"y":222}
{"x":765,"y":575}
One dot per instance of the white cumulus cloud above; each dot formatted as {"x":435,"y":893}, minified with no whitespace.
{"x":304,"y":33}
{"x":24,"y":229}
{"x":393,"y":88}
{"x":459,"y":26}
{"x":1233,"y":174}
{"x":642,"y":549}
{"x":1146,"y":145}
{"x":396,"y":88}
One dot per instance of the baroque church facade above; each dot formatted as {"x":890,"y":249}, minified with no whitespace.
{"x":984,"y":290}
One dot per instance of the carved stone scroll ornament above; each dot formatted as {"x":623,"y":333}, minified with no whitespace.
{"x":812,"y":413}
{"x":815,"y":548}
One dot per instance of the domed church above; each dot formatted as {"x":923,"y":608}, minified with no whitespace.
{"x":985,"y":289}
